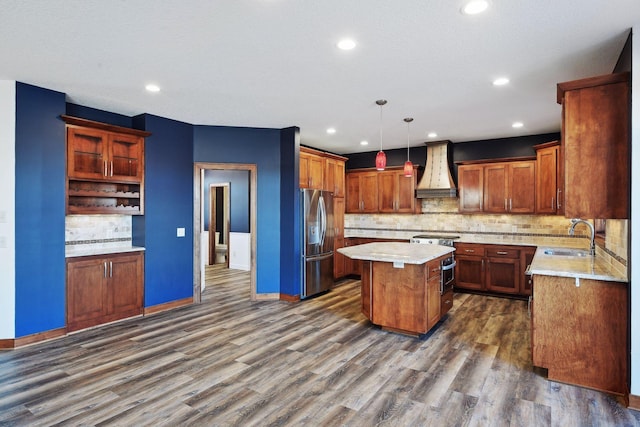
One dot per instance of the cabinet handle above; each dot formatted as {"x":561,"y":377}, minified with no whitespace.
{"x":105,"y":168}
{"x":510,"y":205}
{"x":111,"y":167}
{"x":471,"y":251}
{"x":105,"y":269}
{"x":558,"y":198}
{"x":483,"y":265}
{"x":502,"y":252}
{"x":110,"y":269}
{"x":552,"y":203}
{"x":505,"y":204}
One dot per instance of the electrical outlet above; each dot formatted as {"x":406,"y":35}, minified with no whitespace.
{"x":180,"y":232}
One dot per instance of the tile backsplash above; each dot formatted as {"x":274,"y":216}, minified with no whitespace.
{"x":97,"y":229}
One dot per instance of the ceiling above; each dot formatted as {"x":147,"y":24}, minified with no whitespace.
{"x":275,"y":64}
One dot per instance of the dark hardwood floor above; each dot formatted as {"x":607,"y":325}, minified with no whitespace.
{"x":233,"y":362}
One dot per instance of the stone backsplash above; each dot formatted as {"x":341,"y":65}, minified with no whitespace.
{"x":97,"y":230}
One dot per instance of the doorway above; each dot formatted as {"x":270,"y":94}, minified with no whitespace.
{"x":199,"y":219}
{"x":218,"y":224}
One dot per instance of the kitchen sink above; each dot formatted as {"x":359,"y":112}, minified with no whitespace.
{"x":567,"y":252}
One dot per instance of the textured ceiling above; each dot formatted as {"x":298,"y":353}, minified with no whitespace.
{"x":273,"y":63}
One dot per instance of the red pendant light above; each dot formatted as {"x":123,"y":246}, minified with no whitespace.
{"x":381,"y":158}
{"x":408,"y":166}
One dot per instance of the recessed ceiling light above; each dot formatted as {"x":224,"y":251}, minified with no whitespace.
{"x":346,"y":44}
{"x":152,"y":88}
{"x":517,"y":125}
{"x":500,"y":81}
{"x":474,"y":7}
{"x":364,"y":142}
{"x":432,"y":135}
{"x":331,"y":131}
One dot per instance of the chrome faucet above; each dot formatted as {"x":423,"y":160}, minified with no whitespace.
{"x":576,"y":221}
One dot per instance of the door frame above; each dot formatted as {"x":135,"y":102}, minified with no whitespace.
{"x":198,"y":197}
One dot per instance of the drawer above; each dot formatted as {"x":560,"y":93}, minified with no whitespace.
{"x":469,"y":249}
{"x":446,"y":302}
{"x":502,"y":252}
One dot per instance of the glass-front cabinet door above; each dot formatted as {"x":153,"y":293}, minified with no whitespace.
{"x":125,"y":162}
{"x":86,"y":153}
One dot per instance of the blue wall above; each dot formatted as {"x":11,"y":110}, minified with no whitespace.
{"x":40,"y":210}
{"x":168,"y":205}
{"x":290,"y":240}
{"x":260,"y":147}
{"x":239,"y":198}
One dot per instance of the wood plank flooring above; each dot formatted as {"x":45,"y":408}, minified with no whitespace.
{"x":233,"y":362}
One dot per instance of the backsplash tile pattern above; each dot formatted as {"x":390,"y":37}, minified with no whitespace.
{"x":102,"y":230}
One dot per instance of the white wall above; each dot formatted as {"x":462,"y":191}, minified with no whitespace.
{"x":7,"y":208}
{"x":635,"y":214}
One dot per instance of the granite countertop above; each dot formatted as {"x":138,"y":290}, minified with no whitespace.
{"x":88,"y":250}
{"x":408,"y":253}
{"x":579,"y":267}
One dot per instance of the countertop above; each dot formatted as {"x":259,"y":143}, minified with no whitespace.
{"x":88,"y":250}
{"x":408,"y":253}
{"x":573,"y":266}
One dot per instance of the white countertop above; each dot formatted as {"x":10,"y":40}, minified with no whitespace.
{"x":573,"y":266}
{"x":408,"y":253}
{"x":88,"y":250}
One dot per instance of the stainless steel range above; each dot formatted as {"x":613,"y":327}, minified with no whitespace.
{"x":447,"y":266}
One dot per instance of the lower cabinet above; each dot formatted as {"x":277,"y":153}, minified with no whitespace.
{"x":579,"y":331}
{"x":493,"y":268}
{"x":104,"y":288}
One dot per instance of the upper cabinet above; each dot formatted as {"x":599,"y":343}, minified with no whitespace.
{"x":497,"y":186}
{"x":549,"y":179}
{"x":105,"y":168}
{"x":322,"y":171}
{"x":595,"y":140}
{"x":388,"y":191}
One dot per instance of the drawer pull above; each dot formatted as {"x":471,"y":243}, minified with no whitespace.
{"x":502,"y":252}
{"x":470,"y":251}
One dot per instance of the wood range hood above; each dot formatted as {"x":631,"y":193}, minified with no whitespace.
{"x":436,"y":180}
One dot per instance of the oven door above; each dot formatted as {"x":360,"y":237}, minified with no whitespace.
{"x":447,"y":269}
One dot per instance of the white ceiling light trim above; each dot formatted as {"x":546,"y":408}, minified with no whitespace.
{"x":517,"y":125}
{"x":331,"y":131}
{"x":501,"y":81}
{"x":152,"y":88}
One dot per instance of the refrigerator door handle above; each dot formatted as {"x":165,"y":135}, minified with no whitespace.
{"x":323,"y":219}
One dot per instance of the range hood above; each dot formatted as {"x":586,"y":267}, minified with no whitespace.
{"x":436,"y":180}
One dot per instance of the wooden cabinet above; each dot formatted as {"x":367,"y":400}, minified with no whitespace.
{"x":362,"y":192}
{"x":579,"y":333}
{"x":509,"y":187}
{"x":492,"y":268}
{"x":396,"y":192}
{"x":403,"y":299}
{"x":497,"y":187}
{"x":338,"y":237}
{"x":311,"y":169}
{"x":596,"y":144}
{"x":334,"y":176}
{"x":549,"y":179}
{"x":105,"y":168}
{"x":471,"y":188}
{"x":526,"y":256}
{"x":102,"y":289}
{"x":389,"y":191}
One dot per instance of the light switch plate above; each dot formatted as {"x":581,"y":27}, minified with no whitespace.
{"x":180,"y":232}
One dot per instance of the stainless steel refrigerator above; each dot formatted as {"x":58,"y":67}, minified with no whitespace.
{"x":317,"y":245}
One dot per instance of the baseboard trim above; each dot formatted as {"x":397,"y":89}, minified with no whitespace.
{"x":168,"y":306}
{"x":634,"y":402}
{"x":10,"y":344}
{"x":289,"y":298}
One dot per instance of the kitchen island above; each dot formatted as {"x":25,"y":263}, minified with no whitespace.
{"x":401,"y":284}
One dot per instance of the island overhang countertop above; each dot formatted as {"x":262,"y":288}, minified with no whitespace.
{"x":408,"y":253}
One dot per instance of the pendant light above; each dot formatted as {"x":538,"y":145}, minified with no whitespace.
{"x":381,"y":158}
{"x":408,"y":166}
